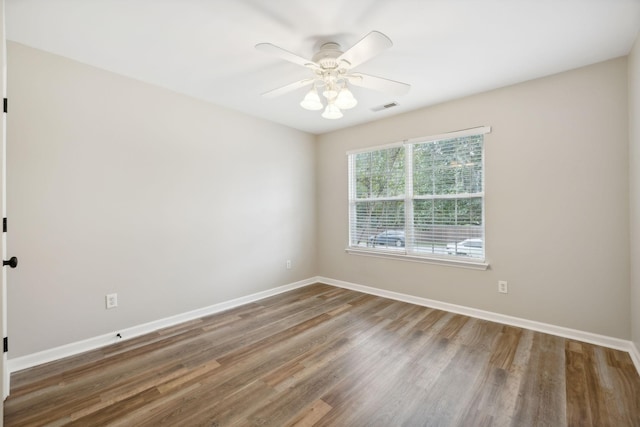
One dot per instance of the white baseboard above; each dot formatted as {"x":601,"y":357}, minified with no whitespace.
{"x":603,"y":340}
{"x":31,"y":360}
{"x":635,"y":355}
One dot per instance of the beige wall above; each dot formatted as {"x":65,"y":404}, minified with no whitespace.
{"x":557,"y":209}
{"x":120,"y":186}
{"x":634,"y":190}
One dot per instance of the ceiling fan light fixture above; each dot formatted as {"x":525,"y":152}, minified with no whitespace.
{"x":329,"y":93}
{"x":311,"y":101}
{"x":332,"y":112}
{"x":345,"y":99}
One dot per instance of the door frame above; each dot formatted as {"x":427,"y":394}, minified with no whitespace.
{"x":4,"y":374}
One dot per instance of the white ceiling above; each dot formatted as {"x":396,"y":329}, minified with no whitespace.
{"x":445,"y":49}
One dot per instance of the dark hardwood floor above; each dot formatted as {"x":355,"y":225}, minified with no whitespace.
{"x":326,"y":356}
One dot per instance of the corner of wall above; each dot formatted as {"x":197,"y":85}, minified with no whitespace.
{"x":634,"y":188}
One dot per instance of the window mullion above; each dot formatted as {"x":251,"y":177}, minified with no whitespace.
{"x":408,"y":199}
{"x":447,"y":196}
{"x":377,"y":199}
{"x":353,"y":212}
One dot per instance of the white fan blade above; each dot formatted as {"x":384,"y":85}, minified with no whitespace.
{"x":285,"y":54}
{"x":390,"y":87}
{"x":370,"y":45}
{"x":288,"y":88}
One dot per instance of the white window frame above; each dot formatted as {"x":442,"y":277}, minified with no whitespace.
{"x":409,"y":198}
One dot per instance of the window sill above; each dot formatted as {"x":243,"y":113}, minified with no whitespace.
{"x":449,"y":262}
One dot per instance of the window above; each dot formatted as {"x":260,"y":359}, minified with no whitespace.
{"x":420,"y":198}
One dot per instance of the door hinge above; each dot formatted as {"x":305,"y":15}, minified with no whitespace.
{"x":5,"y":343}
{"x":4,"y":225}
{"x":6,"y":104}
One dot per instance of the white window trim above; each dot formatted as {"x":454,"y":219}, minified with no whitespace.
{"x":480,"y":130}
{"x":449,"y":261}
{"x":478,"y":264}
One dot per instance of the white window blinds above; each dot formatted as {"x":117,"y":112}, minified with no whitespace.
{"x":424,"y":197}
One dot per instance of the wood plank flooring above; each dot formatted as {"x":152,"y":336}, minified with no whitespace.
{"x":325,"y":356}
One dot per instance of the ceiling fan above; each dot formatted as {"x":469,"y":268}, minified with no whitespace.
{"x":332,"y":73}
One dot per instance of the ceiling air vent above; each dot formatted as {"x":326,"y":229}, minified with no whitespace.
{"x":384,"y":107}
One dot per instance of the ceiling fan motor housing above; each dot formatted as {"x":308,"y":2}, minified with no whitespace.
{"x":327,"y":56}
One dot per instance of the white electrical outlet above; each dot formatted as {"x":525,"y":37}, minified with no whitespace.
{"x":111,"y":300}
{"x":288,"y":264}
{"x":502,"y":287}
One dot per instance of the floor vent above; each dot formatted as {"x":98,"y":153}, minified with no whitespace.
{"x":385,"y":106}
